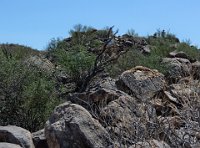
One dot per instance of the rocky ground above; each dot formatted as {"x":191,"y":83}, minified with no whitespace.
{"x":141,"y":108}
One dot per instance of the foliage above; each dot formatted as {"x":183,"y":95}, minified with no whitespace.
{"x":18,"y":51}
{"x":162,"y":43}
{"x":76,"y":60}
{"x":26,"y":94}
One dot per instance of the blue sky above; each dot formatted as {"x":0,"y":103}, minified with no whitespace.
{"x":35,"y":22}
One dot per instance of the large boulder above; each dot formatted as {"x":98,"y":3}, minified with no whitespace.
{"x":73,"y":126}
{"x":178,"y":68}
{"x":178,"y":54}
{"x":141,"y":82}
{"x":16,"y":135}
{"x":120,"y":117}
{"x":127,"y":120}
{"x":181,"y":54}
{"x":9,"y":145}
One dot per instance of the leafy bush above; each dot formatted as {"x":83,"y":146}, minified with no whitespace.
{"x":75,"y":61}
{"x":26,"y":94}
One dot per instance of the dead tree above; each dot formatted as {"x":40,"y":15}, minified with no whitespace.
{"x":101,"y":61}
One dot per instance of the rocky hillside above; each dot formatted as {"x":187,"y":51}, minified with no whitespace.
{"x":107,"y":91}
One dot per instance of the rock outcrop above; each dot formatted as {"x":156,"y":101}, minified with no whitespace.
{"x":141,"y":82}
{"x":178,"y":54}
{"x":16,"y":135}
{"x":178,"y":68}
{"x":73,"y":126}
{"x":141,"y":108}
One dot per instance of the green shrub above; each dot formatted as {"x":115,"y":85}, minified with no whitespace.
{"x":26,"y":94}
{"x":18,"y":51}
{"x":39,"y":100}
{"x":75,"y":61}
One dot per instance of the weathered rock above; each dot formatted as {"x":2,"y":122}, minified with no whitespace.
{"x":41,"y":63}
{"x":72,"y":126}
{"x":178,"y":68}
{"x":183,"y":137}
{"x":9,"y":145}
{"x":178,"y":54}
{"x":185,"y":92}
{"x":181,"y":54}
{"x":196,"y":70}
{"x":39,"y":139}
{"x":151,"y":144}
{"x":16,"y":135}
{"x":174,"y":122}
{"x":118,"y":118}
{"x":165,"y":108}
{"x":141,"y":82}
{"x":125,"y":119}
{"x":100,"y":93}
{"x":102,"y":81}
{"x":92,"y":98}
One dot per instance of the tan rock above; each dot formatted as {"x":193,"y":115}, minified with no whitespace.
{"x":72,"y":126}
{"x":141,"y":82}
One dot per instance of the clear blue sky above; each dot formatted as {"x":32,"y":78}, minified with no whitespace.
{"x":35,"y":22}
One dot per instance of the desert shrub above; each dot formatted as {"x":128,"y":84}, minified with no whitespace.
{"x":135,"y":58}
{"x":26,"y":94}
{"x":75,"y":61}
{"x":39,"y":100}
{"x":161,"y":44}
{"x":18,"y":51}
